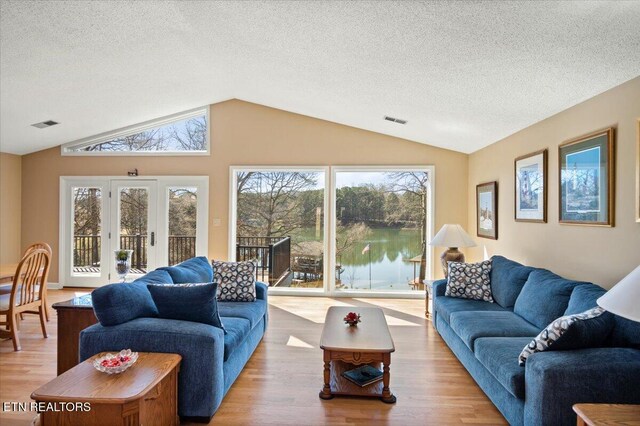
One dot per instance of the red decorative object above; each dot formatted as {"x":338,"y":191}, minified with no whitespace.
{"x":352,"y":318}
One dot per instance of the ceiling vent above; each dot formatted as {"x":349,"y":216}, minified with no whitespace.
{"x":45,"y":124}
{"x":395,"y":120}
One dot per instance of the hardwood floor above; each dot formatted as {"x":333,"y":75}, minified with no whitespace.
{"x":280,"y":383}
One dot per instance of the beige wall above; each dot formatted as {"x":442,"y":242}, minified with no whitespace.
{"x":598,"y":254}
{"x":244,"y":134}
{"x":10,"y":195}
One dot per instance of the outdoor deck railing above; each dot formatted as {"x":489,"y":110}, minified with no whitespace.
{"x":272,"y":255}
{"x":86,"y":249}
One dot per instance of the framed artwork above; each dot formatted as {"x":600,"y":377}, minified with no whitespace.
{"x":587,"y":179}
{"x":487,"y":210}
{"x":531,"y":187}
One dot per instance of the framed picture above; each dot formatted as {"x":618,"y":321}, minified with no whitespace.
{"x":487,"y":210}
{"x":587,"y":179}
{"x":531,"y":187}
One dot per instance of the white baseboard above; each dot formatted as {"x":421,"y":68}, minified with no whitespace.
{"x":54,"y":286}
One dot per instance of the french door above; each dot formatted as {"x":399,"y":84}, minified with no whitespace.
{"x":162,"y":220}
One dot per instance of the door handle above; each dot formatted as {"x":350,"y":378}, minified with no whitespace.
{"x":153,"y":239}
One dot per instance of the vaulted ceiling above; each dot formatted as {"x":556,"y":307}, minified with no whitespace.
{"x":463,"y":74}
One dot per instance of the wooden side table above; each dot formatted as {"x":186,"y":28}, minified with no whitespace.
{"x":144,"y":394}
{"x":73,"y":316}
{"x":607,"y":414}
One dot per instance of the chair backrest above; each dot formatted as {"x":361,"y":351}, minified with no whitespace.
{"x":31,"y":276}
{"x":45,"y":246}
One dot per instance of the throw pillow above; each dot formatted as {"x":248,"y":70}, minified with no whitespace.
{"x":187,"y":302}
{"x":115,"y":304}
{"x":194,"y":270}
{"x":469,"y":281}
{"x":583,"y":330}
{"x":236,"y":281}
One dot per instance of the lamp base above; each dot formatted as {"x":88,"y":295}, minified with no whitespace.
{"x":450,"y":255}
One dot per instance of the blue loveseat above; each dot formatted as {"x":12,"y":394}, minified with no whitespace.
{"x":488,"y":337}
{"x":211,"y":359}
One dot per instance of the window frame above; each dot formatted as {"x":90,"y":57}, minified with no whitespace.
{"x":67,"y":149}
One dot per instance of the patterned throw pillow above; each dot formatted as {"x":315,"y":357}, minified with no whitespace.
{"x":469,"y":281}
{"x":236,"y":281}
{"x":551,"y":337}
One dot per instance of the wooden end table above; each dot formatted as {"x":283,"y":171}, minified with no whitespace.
{"x":146,"y":393}
{"x":607,"y":414}
{"x":73,"y":316}
{"x":345,"y":347}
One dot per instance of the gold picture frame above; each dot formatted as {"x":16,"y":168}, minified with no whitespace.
{"x":586,"y":179}
{"x":530,"y":187}
{"x":487,"y":210}
{"x":638,"y":173}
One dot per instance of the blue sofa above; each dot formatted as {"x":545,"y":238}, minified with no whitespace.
{"x":211,"y":359}
{"x":488,"y":337}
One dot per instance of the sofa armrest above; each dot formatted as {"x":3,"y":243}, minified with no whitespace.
{"x":439,"y":287}
{"x":261,"y":290}
{"x":555,"y":380}
{"x":201,"y":378}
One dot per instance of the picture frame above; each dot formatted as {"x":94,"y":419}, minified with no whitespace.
{"x":487,"y":210}
{"x":586,"y":179}
{"x":530,"y":188}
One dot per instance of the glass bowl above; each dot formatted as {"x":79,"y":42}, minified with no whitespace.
{"x":116,"y":363}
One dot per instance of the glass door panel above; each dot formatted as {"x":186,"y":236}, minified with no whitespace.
{"x":183,"y":219}
{"x":86,"y":246}
{"x":381,"y":230}
{"x":279,"y":224}
{"x":134,"y":227}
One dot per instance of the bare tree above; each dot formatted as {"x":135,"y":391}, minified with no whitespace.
{"x":415,"y":183}
{"x":193,"y":137}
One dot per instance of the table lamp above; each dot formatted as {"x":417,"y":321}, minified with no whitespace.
{"x":623,"y":298}
{"x":451,"y":236}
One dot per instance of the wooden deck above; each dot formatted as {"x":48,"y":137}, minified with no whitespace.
{"x":96,"y":270}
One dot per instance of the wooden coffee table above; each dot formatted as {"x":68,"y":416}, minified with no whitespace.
{"x":146,"y":393}
{"x":346,"y":347}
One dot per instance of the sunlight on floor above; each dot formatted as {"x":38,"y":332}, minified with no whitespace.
{"x":295,"y":342}
{"x":312,"y":309}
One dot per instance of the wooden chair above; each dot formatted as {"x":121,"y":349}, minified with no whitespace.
{"x":26,"y":297}
{"x":47,"y":247}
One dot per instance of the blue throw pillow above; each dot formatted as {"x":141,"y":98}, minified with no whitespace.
{"x":507,"y":279}
{"x":115,"y":304}
{"x":156,"y":277}
{"x":544,"y":297}
{"x":588,"y":329}
{"x":194,"y":270}
{"x":584,"y":297}
{"x":187,"y":302}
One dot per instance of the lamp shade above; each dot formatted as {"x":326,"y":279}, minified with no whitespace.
{"x":624,"y":298}
{"x":452,"y":236}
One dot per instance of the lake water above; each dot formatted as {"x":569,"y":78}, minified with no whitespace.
{"x":387,"y":259}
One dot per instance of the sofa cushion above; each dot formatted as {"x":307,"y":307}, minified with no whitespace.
{"x":625,"y":334}
{"x":194,"y":270}
{"x":187,"y":302}
{"x":252,"y":311}
{"x":498,"y":355}
{"x":584,"y":330}
{"x":544,"y":297}
{"x":583,"y":298}
{"x":237,"y":329}
{"x":236,"y":281}
{"x":470,"y":326}
{"x":115,"y":304}
{"x":469,"y":281}
{"x":155,"y":277}
{"x":445,"y":306}
{"x":507,"y":279}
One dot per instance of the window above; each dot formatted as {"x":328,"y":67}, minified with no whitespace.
{"x":184,"y":133}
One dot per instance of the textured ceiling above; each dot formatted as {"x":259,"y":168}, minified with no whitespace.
{"x":464,"y":74}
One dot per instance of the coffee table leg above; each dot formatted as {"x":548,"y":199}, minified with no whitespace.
{"x":325,"y":393}
{"x":387,"y":396}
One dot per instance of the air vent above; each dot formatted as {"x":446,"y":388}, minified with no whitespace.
{"x":45,"y":124}
{"x":395,"y":120}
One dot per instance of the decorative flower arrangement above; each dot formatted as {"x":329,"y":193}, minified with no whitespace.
{"x":114,"y":364}
{"x":352,"y":318}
